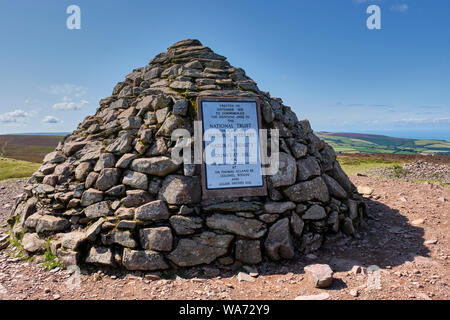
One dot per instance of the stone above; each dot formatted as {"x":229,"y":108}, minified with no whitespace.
{"x":268,"y":218}
{"x":117,"y":191}
{"x":82,"y":171}
{"x":91,"y":179}
{"x":143,"y":260}
{"x":125,"y":160}
{"x":135,"y":180}
{"x":417,"y":222}
{"x":136,"y":198}
{"x":98,"y":210}
{"x":90,"y":197}
{"x":125,"y":213}
{"x":67,"y":258}
{"x":122,"y":144}
{"x":181,"y":107}
{"x":129,"y":123}
{"x":320,"y":275}
{"x":279,"y":207}
{"x":185,"y":210}
{"x":124,"y":238}
{"x":119,"y":104}
{"x":248,"y":251}
{"x":107,"y":179}
{"x":315,"y":189}
{"x":307,"y":168}
{"x":315,"y":212}
{"x":73,"y":240}
{"x":32,"y":220}
{"x":128,"y":224}
{"x":161,"y":101}
{"x":267,"y":112}
{"x":51,"y":223}
{"x":105,"y":160}
{"x":184,"y":225}
{"x":170,"y":124}
{"x":157,"y":239}
{"x":54,"y":157}
{"x":287,"y":171}
{"x":249,"y":228}
{"x":297,"y":225}
{"x":278,"y":243}
{"x":180,"y":190}
{"x":157,"y":166}
{"x":100,"y":256}
{"x":161,"y":115}
{"x":32,"y":243}
{"x":357,"y":270}
{"x":339,"y":175}
{"x":365,"y":190}
{"x":334,"y":188}
{"x":182,"y":85}
{"x":152,"y":211}
{"x":299,"y":150}
{"x":204,"y":248}
{"x":347,"y":227}
{"x":245,"y":277}
{"x":92,"y":232}
{"x":333,"y":220}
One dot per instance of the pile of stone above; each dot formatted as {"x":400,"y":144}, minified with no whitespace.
{"x":111,"y":195}
{"x":420,"y":170}
{"x":427,"y":171}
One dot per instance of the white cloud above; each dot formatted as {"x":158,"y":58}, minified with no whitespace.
{"x":14,"y":116}
{"x":68,"y":104}
{"x":442,"y":120}
{"x":67,"y":89}
{"x":52,"y":120}
{"x":399,"y":7}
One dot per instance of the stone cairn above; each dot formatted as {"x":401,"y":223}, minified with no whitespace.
{"x":111,"y":195}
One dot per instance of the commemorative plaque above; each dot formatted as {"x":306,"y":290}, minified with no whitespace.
{"x":232,"y":155}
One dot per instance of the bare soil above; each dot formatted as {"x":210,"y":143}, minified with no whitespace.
{"x":414,"y":259}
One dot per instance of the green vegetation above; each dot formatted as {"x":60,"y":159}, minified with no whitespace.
{"x":19,"y":251}
{"x":50,"y":260}
{"x":369,"y":143}
{"x":11,"y":168}
{"x":399,"y":172}
{"x":353,"y":165}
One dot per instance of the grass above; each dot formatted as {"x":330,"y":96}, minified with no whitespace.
{"x":352,"y":165}
{"x":50,"y":260}
{"x":11,"y":168}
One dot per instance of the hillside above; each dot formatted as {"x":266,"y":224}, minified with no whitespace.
{"x":370,"y":143}
{"x":30,"y":148}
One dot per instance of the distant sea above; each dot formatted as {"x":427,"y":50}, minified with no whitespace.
{"x":414,"y":134}
{"x":407,"y":134}
{"x":439,"y":134}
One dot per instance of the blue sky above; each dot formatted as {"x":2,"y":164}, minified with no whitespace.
{"x":318,"y":56}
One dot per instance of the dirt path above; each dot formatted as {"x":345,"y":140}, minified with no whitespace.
{"x":414,"y":260}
